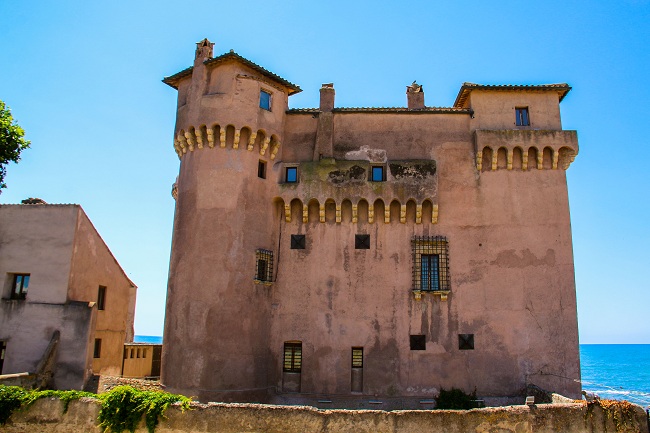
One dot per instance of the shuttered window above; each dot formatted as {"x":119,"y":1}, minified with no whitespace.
{"x":292,"y":357}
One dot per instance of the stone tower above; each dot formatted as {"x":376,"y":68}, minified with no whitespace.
{"x":236,"y":109}
{"x":368,"y":256}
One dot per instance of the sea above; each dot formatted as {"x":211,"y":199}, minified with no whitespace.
{"x":612,"y":371}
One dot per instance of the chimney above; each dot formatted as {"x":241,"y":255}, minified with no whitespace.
{"x":327,"y":97}
{"x":204,"y":51}
{"x":33,"y":201}
{"x":415,"y":96}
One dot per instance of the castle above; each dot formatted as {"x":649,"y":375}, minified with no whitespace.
{"x":367,"y":253}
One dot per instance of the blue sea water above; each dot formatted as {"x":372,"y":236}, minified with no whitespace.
{"x":147,"y":339}
{"x":617,"y":371}
{"x":613,"y":371}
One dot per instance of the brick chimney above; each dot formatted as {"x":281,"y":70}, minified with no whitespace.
{"x":327,"y":97}
{"x":415,"y":96}
{"x":204,"y":51}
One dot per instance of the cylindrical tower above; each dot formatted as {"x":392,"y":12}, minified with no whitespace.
{"x":229,"y":128}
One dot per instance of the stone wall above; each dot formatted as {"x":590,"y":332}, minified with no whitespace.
{"x":47,"y":415}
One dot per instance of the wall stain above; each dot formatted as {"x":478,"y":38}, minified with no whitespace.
{"x":510,"y":259}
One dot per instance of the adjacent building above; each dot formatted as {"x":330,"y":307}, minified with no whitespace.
{"x":367,"y":253}
{"x":67,"y":306}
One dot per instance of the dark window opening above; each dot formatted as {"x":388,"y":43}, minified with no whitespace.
{"x":362,"y":242}
{"x":292,"y":175}
{"x":418,"y":342}
{"x":20,"y":286}
{"x":97,"y":351}
{"x":377,"y":173}
{"x":261,"y":169}
{"x":3,"y":349}
{"x":137,"y":353}
{"x":132,"y":353}
{"x":466,"y":341}
{"x":126,"y":353}
{"x":357,"y":357}
{"x":297,"y":242}
{"x":264,"y":267}
{"x":521,"y":115}
{"x":144,"y":353}
{"x":292,"y":357}
{"x":101,"y":297}
{"x":430,"y":263}
{"x":265,"y":100}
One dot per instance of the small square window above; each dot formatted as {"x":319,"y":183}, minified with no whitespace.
{"x":101,"y":297}
{"x":20,"y":286}
{"x":521,"y":116}
{"x":265,"y":100}
{"x":466,"y":341}
{"x":297,"y":242}
{"x":292,"y":175}
{"x":418,"y":342}
{"x":362,"y":242}
{"x":377,"y":173}
{"x":264,"y":267}
{"x":261,"y":169}
{"x":97,"y":351}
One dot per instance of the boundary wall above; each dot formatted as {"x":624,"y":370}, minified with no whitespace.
{"x":47,"y":415}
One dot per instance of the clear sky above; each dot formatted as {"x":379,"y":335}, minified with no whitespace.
{"x":83,"y":80}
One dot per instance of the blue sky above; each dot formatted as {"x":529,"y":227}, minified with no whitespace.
{"x":83,"y":80}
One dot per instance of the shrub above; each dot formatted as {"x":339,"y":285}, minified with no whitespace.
{"x":455,"y":399}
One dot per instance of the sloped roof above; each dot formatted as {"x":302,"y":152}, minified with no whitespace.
{"x":561,"y":88}
{"x":173,"y":80}
{"x":454,"y":110}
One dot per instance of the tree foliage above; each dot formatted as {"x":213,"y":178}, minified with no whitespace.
{"x":12,"y":141}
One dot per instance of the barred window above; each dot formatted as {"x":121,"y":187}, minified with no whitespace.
{"x":430,"y":263}
{"x":264,"y":265}
{"x":292,"y":357}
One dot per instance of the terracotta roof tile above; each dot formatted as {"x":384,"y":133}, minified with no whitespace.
{"x":561,"y":88}
{"x":173,"y":80}
{"x":448,"y":110}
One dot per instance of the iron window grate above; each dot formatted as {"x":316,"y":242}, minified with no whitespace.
{"x":466,"y":341}
{"x":362,"y":242}
{"x":297,"y":242}
{"x":264,"y":265}
{"x":430,"y":263}
{"x":418,"y":342}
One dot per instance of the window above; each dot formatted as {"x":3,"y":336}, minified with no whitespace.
{"x":292,"y":357}
{"x":101,"y":297}
{"x":297,"y":242}
{"x":20,"y":285}
{"x":261,"y":169}
{"x":265,"y":100}
{"x":418,"y":342}
{"x":264,"y":265}
{"x":362,"y":242}
{"x":97,"y":351}
{"x":466,"y":341}
{"x":292,"y":175}
{"x":132,"y":353}
{"x":377,"y":173}
{"x":430,"y":263}
{"x":3,"y":349}
{"x":357,"y":357}
{"x":521,"y":116}
{"x":144,"y":353}
{"x":137,"y":353}
{"x":126,"y":353}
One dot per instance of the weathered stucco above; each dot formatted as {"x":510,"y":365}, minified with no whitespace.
{"x":496,"y":192}
{"x":47,"y":414}
{"x":67,"y":262}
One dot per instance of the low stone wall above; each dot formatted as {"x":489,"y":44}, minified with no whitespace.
{"x":47,"y":415}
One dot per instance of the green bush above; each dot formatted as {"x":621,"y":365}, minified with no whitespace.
{"x":122,"y":408}
{"x":455,"y":399}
